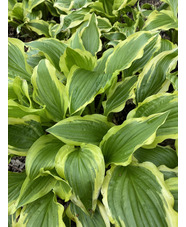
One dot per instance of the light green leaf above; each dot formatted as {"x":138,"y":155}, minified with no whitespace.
{"x":80,"y":58}
{"x":128,"y":51}
{"x":49,"y":91}
{"x":32,"y":190}
{"x":168,"y":172}
{"x":128,"y":137}
{"x":153,"y":76}
{"x":20,"y":87}
{"x":11,"y":4}
{"x":84,"y":85}
{"x":77,"y":130}
{"x":33,"y":57}
{"x":99,"y":217}
{"x":76,"y":42}
{"x":17,"y":65}
{"x":41,"y":27}
{"x":104,"y":24}
{"x":42,"y":155}
{"x":11,"y":93}
{"x":63,"y":190}
{"x":52,"y":48}
{"x":137,"y":195}
{"x":17,"y":12}
{"x":158,"y":156}
{"x":90,"y":36}
{"x":22,"y":133}
{"x":30,"y":4}
{"x":161,"y":20}
{"x":100,"y":67}
{"x":149,"y":51}
{"x":172,"y":184}
{"x":84,"y":170}
{"x":173,"y":78}
{"x":173,"y":6}
{"x":165,"y":45}
{"x":118,"y":96}
{"x":19,"y":111}
{"x":157,"y":104}
{"x":44,"y":212}
{"x":15,"y":181}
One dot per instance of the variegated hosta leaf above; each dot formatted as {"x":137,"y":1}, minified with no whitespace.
{"x":158,"y":155}
{"x":104,"y":24}
{"x":173,"y":78}
{"x":17,"y":64}
{"x":49,"y":91}
{"x":99,"y":217}
{"x":41,"y":27}
{"x":128,"y":51}
{"x":84,"y":85}
{"x":161,"y":20}
{"x":22,"y":133}
{"x":32,"y":190}
{"x":34,"y":56}
{"x":11,"y":93}
{"x":52,"y":48}
{"x":173,"y":6}
{"x":11,"y":4}
{"x":168,"y":172}
{"x":120,"y":142}
{"x":42,"y":155}
{"x":30,"y":4}
{"x":137,"y":195}
{"x":83,"y":167}
{"x":120,"y":4}
{"x":172,"y":184}
{"x":16,"y":110}
{"x":165,"y":45}
{"x":153,"y":76}
{"x":80,"y":58}
{"x":76,"y":42}
{"x":63,"y":190}
{"x":119,"y":95}
{"x":77,"y":130}
{"x":15,"y":181}
{"x":157,"y":104}
{"x":21,"y":89}
{"x":90,"y":36}
{"x":44,"y":212}
{"x":100,"y":67}
{"x":149,"y":51}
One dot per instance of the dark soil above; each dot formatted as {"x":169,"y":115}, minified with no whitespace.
{"x":156,"y":3}
{"x":17,"y":164}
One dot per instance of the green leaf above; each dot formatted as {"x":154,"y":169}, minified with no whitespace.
{"x":165,"y":45}
{"x":15,"y":181}
{"x":91,"y":36}
{"x":49,"y":91}
{"x":173,"y":5}
{"x":17,"y":64}
{"x":52,"y":48}
{"x":80,"y":58}
{"x":168,"y":172}
{"x":161,"y":20}
{"x":11,"y":93}
{"x":133,"y":47}
{"x":84,"y":170}
{"x":44,"y":212}
{"x":158,"y":156}
{"x":128,"y":137}
{"x":18,"y":111}
{"x":84,"y":85}
{"x":149,"y":51}
{"x":11,"y":4}
{"x":77,"y":130}
{"x":30,"y":4}
{"x":32,"y":190}
{"x":104,"y":24}
{"x":100,"y":67}
{"x":153,"y":76}
{"x":42,"y":155}
{"x":41,"y":27}
{"x":172,"y":184}
{"x":17,"y":12}
{"x":157,"y":104}
{"x":99,"y":217}
{"x":136,"y":195}
{"x":22,"y":133}
{"x":118,"y":96}
{"x":63,"y":190}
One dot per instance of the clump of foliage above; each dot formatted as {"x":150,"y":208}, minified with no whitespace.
{"x":89,"y":61}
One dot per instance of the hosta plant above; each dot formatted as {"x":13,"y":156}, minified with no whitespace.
{"x":92,"y":112}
